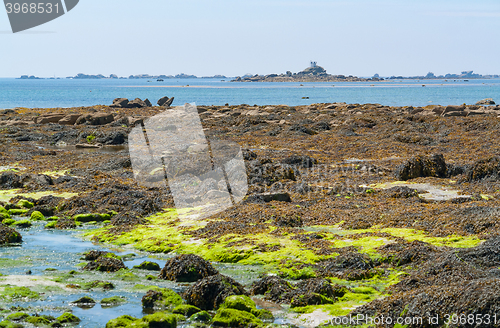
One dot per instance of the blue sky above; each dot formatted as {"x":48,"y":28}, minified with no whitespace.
{"x":234,"y":37}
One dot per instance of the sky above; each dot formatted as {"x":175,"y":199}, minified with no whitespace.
{"x":236,"y":37}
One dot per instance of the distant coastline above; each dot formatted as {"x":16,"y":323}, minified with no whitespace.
{"x":314,"y":73}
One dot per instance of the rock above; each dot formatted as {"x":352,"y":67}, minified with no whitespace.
{"x":422,"y":166}
{"x":272,"y":287}
{"x":48,"y":118}
{"x":484,"y":169}
{"x":69,"y":119}
{"x":186,"y":310}
{"x":235,"y":318}
{"x":105,"y":264}
{"x":84,"y":302}
{"x":162,"y":101}
{"x":136,"y":103}
{"x":161,"y":298}
{"x":120,"y":103}
{"x":268,"y":197}
{"x":487,"y":101}
{"x":147,"y":265}
{"x":101,"y":119}
{"x":202,"y":316}
{"x":210,"y":292}
{"x":449,"y":109}
{"x":350,"y":266}
{"x":300,"y":160}
{"x":68,"y":318}
{"x":169,"y":102}
{"x":187,"y":268}
{"x":148,"y":103}
{"x":113,"y":138}
{"x":401,"y":192}
{"x":93,"y":255}
{"x":9,"y":235}
{"x":65,"y":223}
{"x":113,"y":301}
{"x":158,"y":320}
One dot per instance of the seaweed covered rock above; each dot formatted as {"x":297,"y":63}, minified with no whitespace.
{"x":422,"y":166}
{"x":210,"y":292}
{"x":84,"y":302}
{"x":402,"y":253}
{"x":484,"y":169}
{"x":300,"y":161}
{"x":186,"y":310}
{"x":148,"y":265}
{"x":235,"y":318}
{"x":187,"y":268}
{"x":122,"y":321}
{"x":94,"y":254}
{"x":105,"y":264}
{"x":37,"y":216}
{"x":161,"y":299}
{"x":350,"y":266}
{"x":160,"y":319}
{"x":272,"y":287}
{"x":65,"y":223}
{"x":9,"y":235}
{"x":113,"y":301}
{"x":68,"y":318}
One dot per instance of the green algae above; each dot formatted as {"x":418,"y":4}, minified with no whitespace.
{"x":18,"y":212}
{"x":92,"y":217}
{"x":122,"y":321}
{"x":235,"y":318}
{"x":37,"y":216}
{"x":8,"y":324}
{"x":68,"y":318}
{"x":25,"y":203}
{"x":11,"y":293}
{"x":186,"y":310}
{"x":22,"y":224}
{"x":148,"y":265}
{"x":10,"y":263}
{"x":38,"y":321}
{"x":7,"y":195}
{"x":51,"y":225}
{"x":8,"y":222}
{"x":113,"y":301}
{"x":127,"y":275}
{"x":18,"y":316}
{"x":160,"y":319}
{"x":202,"y":316}
{"x":239,"y":302}
{"x":4,"y":215}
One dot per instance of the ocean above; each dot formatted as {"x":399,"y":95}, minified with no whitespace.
{"x":50,"y":93}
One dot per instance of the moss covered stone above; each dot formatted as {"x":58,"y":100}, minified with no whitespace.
{"x":160,"y":319}
{"x":239,"y":302}
{"x":8,"y":222}
{"x":18,"y":316}
{"x":37,"y":216}
{"x":123,"y":321}
{"x":15,"y":211}
{"x":148,"y":265}
{"x":17,"y":293}
{"x":22,"y":224}
{"x":96,"y":217}
{"x":4,"y":215}
{"x":186,"y":310}
{"x":161,"y":298}
{"x":113,"y":301}
{"x":9,"y":324}
{"x":24,"y":203}
{"x":38,"y":321}
{"x":68,"y":318}
{"x":51,"y":225}
{"x":235,"y":318}
{"x":202,"y":316}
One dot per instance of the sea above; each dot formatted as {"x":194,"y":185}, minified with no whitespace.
{"x":54,"y":93}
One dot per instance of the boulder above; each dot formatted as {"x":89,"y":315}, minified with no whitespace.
{"x":169,"y":102}
{"x":69,"y":119}
{"x":9,"y":235}
{"x":105,"y":264}
{"x":148,"y":103}
{"x":487,"y":101}
{"x":187,"y":268}
{"x":162,"y":101}
{"x":49,"y":118}
{"x":209,"y":293}
{"x":136,"y":103}
{"x":269,"y":197}
{"x":120,"y":103}
{"x":101,"y":119}
{"x":422,"y":166}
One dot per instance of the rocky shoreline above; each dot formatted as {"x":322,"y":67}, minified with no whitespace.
{"x":351,"y":209}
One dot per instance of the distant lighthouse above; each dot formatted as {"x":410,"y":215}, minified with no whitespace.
{"x":314,"y":64}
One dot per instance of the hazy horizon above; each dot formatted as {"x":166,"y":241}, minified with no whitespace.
{"x":230,"y":38}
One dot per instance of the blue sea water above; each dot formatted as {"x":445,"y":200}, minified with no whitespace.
{"x":49,"y":93}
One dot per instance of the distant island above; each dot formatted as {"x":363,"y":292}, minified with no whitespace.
{"x":313,"y":73}
{"x":145,"y":76}
{"x":431,"y":76}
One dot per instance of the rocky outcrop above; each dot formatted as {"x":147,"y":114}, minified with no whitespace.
{"x":48,"y":118}
{"x":136,"y":103}
{"x":209,"y":293}
{"x":422,"y":166}
{"x":69,"y":119}
{"x":165,"y":101}
{"x":487,"y":101}
{"x":120,"y":103}
{"x":95,"y":119}
{"x":187,"y":268}
{"x":9,"y":235}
